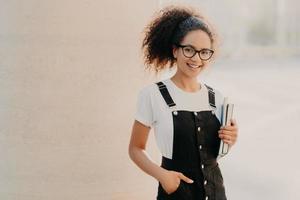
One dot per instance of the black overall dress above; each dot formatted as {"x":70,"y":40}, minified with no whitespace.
{"x":195,"y":150}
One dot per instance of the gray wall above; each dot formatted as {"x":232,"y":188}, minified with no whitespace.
{"x":69,"y":73}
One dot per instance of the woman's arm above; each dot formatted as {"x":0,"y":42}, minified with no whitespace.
{"x":169,"y":179}
{"x":137,"y":153}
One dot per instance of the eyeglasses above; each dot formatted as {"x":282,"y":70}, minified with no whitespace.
{"x":189,"y":52}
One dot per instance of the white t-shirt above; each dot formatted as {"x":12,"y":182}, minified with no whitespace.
{"x":153,"y":111}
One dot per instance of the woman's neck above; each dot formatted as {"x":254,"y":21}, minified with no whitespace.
{"x":186,"y":83}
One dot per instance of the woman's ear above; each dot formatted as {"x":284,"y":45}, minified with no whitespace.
{"x":175,"y":51}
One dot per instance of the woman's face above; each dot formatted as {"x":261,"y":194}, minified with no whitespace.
{"x":191,"y":67}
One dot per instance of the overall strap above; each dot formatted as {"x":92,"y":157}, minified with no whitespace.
{"x":211,"y":96}
{"x":165,"y":93}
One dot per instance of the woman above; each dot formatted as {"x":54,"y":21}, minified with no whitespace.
{"x":184,"y":113}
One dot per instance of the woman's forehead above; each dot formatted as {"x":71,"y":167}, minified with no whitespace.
{"x":197,"y":39}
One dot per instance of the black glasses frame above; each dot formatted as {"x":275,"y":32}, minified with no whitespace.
{"x":196,"y":51}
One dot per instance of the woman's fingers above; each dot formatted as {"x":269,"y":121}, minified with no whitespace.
{"x":233,"y":125}
{"x":229,"y":128}
{"x":230,"y":142}
{"x":227,"y":137}
{"x":231,"y":133}
{"x":186,"y":179}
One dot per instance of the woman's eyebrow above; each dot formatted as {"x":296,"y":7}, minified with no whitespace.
{"x":190,"y":45}
{"x":195,"y":47}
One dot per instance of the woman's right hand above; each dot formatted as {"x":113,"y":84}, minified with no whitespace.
{"x":170,"y":180}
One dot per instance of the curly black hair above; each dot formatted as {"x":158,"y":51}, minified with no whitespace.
{"x":168,"y":28}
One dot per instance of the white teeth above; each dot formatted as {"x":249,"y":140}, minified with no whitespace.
{"x":193,"y":66}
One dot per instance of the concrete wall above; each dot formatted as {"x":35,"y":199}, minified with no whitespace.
{"x":69,"y":73}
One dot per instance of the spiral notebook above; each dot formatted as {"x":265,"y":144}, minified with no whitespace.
{"x":227,"y":114}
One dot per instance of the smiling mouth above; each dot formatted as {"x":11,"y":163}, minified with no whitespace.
{"x":193,"y":66}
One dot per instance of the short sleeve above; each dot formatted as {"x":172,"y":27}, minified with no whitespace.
{"x":144,"y":109}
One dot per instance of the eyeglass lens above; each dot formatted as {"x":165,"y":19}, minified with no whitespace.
{"x":190,"y":52}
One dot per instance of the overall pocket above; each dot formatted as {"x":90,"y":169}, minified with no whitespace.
{"x":163,"y":195}
{"x":181,"y":193}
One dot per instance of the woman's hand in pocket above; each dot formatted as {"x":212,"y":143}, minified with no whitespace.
{"x":170,"y":180}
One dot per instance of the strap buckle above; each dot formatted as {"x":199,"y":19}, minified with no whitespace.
{"x":162,"y":86}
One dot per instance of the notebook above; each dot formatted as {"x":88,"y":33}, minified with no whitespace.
{"x":227,"y":114}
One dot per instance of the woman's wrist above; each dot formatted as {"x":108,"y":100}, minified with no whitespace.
{"x":160,"y":173}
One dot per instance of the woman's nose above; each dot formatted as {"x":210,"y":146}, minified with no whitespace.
{"x":196,"y":58}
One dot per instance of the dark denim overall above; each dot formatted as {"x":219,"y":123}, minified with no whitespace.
{"x":195,"y":150}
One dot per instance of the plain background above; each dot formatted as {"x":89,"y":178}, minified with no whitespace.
{"x":69,"y":76}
